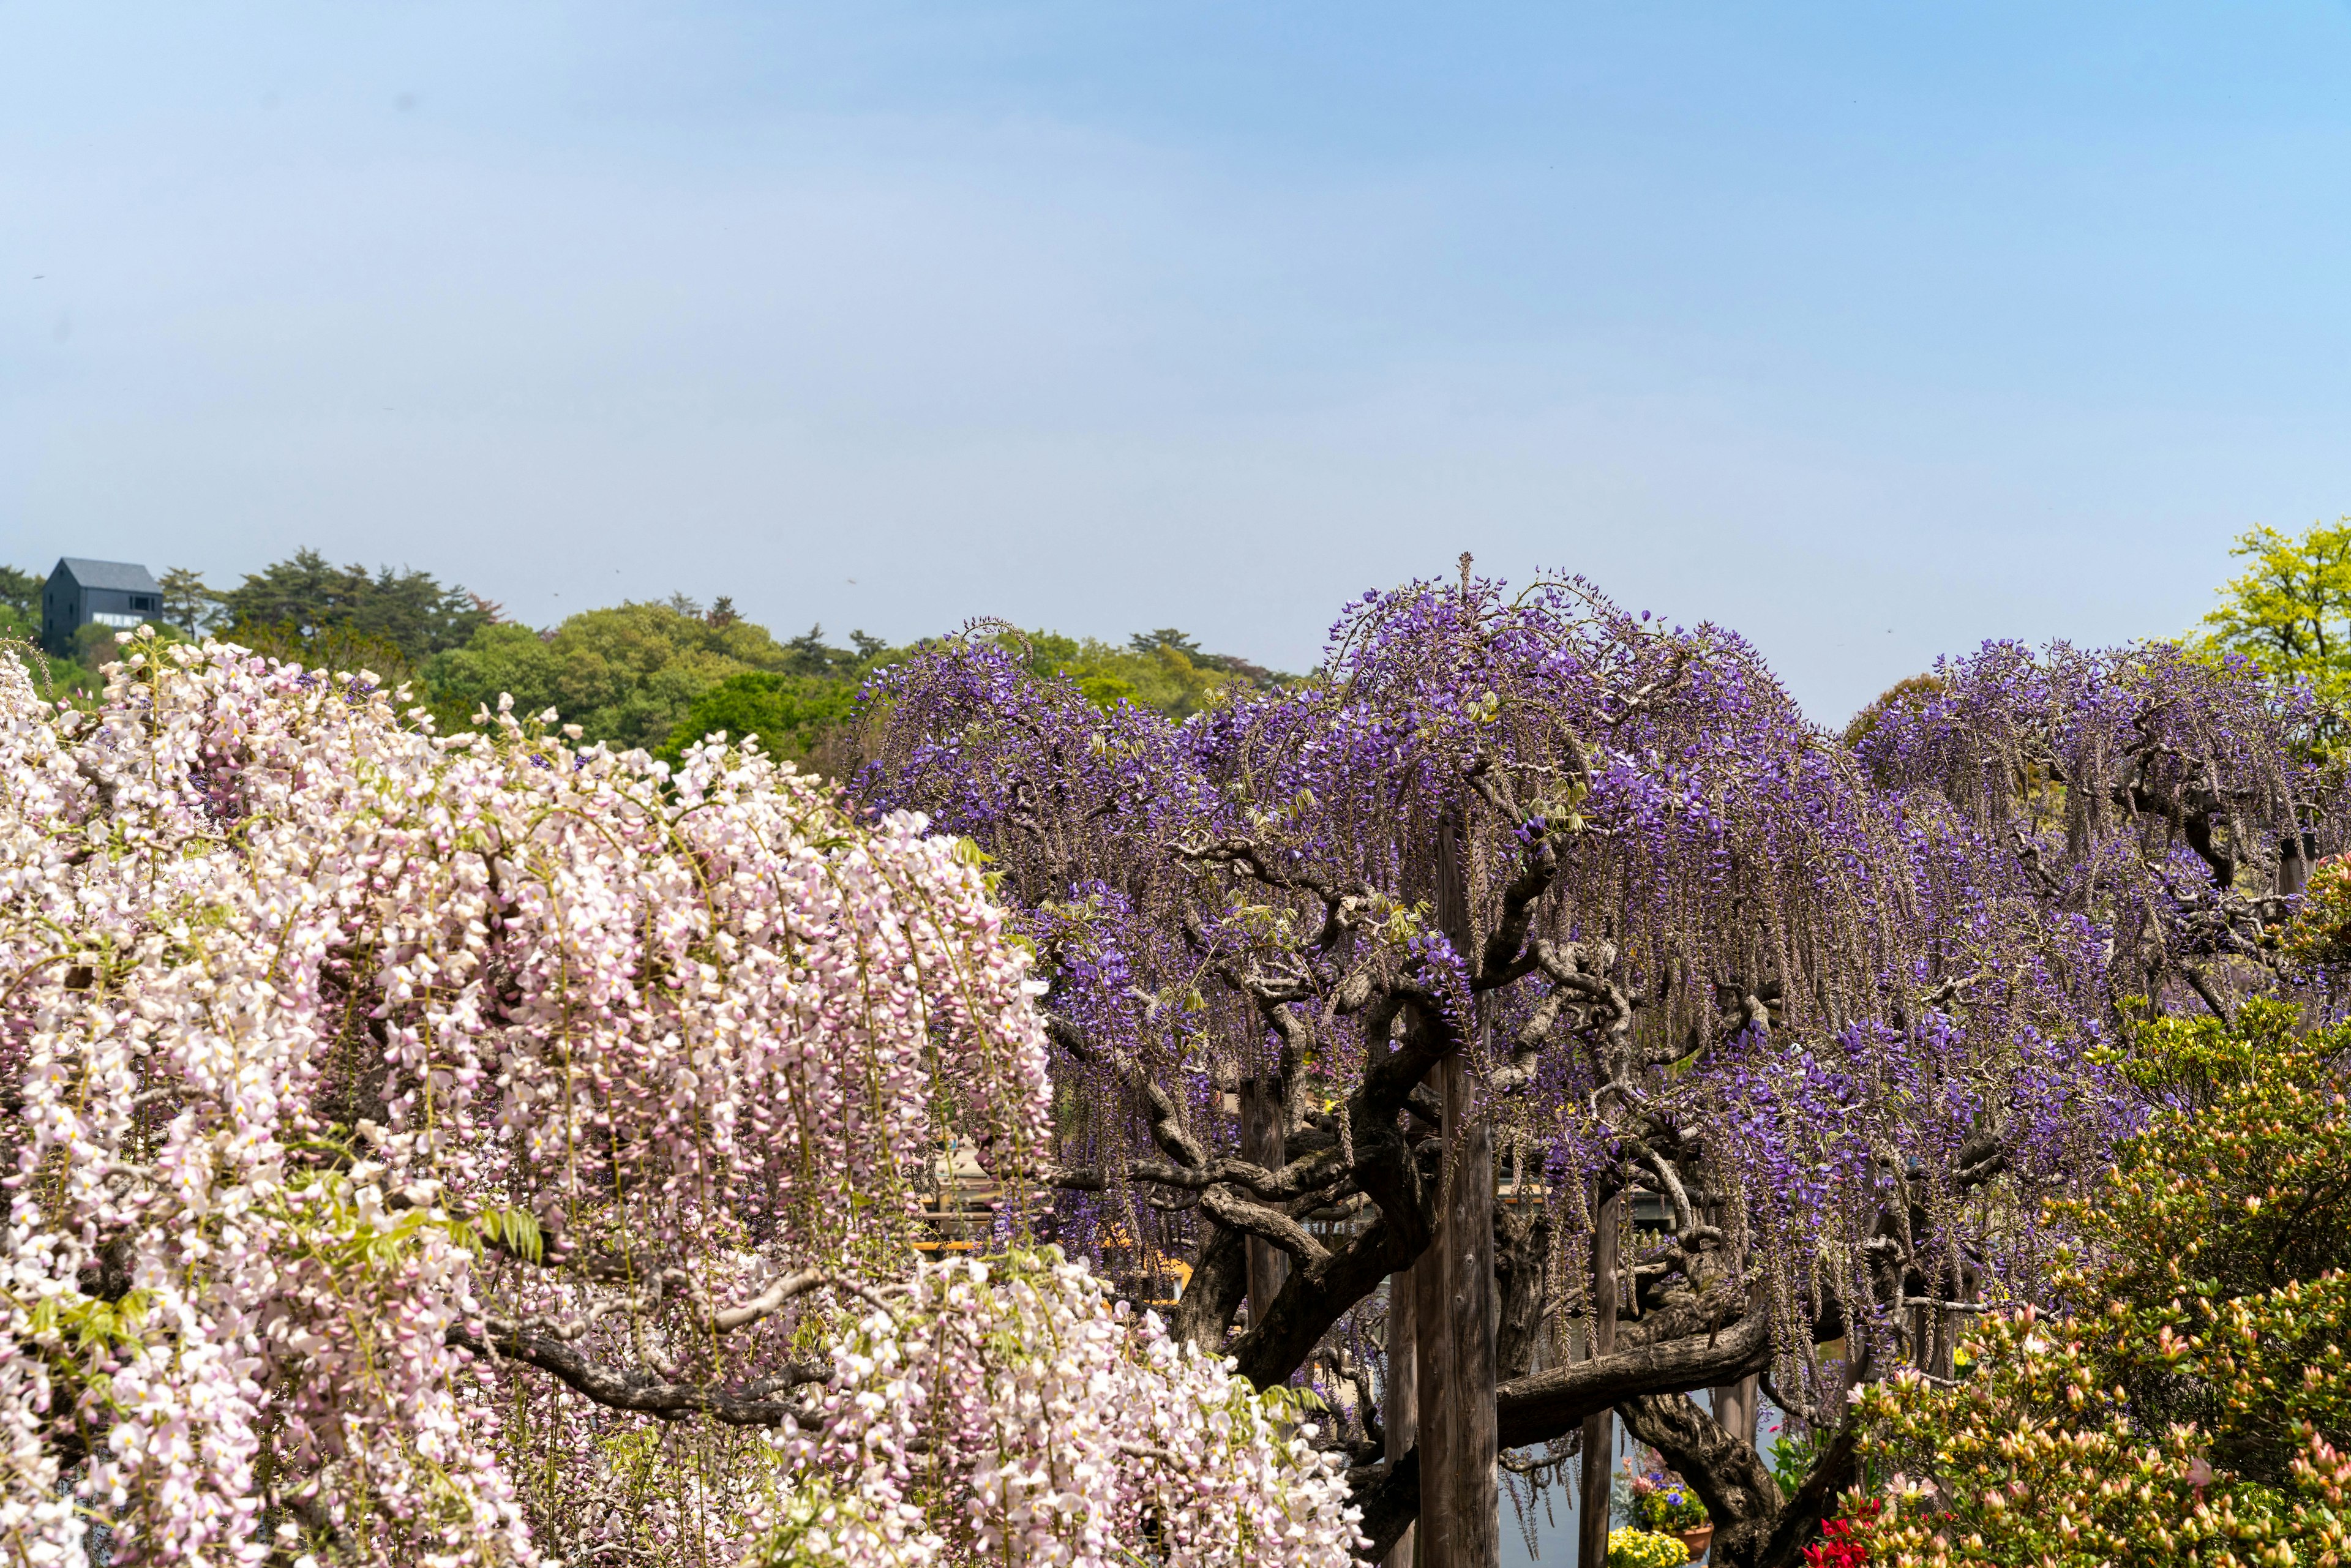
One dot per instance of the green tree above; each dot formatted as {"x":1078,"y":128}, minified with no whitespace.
{"x":790,"y":714}
{"x":2290,"y":610}
{"x":409,"y":610}
{"x":331,"y":647}
{"x":1164,"y":670}
{"x":628,"y":674}
{"x":20,"y":602}
{"x":54,"y":676}
{"x":19,"y":607}
{"x":187,"y":603}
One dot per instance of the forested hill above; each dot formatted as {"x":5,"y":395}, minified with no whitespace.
{"x":653,"y":674}
{"x":661,"y":673}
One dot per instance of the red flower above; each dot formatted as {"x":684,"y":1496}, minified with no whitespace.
{"x":1841,"y":1544}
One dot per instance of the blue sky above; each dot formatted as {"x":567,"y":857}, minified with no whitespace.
{"x":1870,"y":331}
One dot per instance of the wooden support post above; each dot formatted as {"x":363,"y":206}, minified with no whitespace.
{"x":1460,"y":1526}
{"x":1402,"y":1396}
{"x":1599,"y":1431}
{"x":2294,"y":872}
{"x":1438,"y":1390}
{"x":1469,"y":1226}
{"x":1734,"y":1408}
{"x":1262,"y":1141}
{"x":1733,"y":1404}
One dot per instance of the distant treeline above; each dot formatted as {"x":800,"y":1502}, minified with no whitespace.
{"x":655,"y":674}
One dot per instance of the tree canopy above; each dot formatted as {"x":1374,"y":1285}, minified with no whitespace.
{"x":409,"y":610}
{"x":2187,"y":1400}
{"x":511,"y":1126}
{"x":1165,"y":671}
{"x":629,"y":674}
{"x":2290,"y":610}
{"x":1838,"y":1018}
{"x":656,"y":673}
{"x":20,"y":602}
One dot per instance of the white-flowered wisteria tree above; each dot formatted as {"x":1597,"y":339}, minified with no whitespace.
{"x":491,"y":1149}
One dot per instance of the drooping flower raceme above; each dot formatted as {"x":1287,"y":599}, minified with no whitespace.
{"x":416,"y":1134}
{"x":1049,"y":1425}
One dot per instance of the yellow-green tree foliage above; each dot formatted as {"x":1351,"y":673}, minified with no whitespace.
{"x":627,"y":675}
{"x":2290,"y":610}
{"x":1164,"y":670}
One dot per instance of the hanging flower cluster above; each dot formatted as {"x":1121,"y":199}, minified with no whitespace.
{"x":1046,"y":1424}
{"x":426,"y":1150}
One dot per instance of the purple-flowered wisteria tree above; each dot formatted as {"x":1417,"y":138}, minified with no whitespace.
{"x":1768,"y":1044}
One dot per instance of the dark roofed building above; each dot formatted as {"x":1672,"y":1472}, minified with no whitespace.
{"x":106,"y":592}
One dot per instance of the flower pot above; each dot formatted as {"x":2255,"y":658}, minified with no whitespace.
{"x":1697,"y":1539}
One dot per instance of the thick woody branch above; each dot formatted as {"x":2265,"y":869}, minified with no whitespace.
{"x":1505,"y":958}
{"x":1265,"y":1223}
{"x":1311,"y":1173}
{"x":1318,"y":1292}
{"x":727,"y":1319}
{"x":1740,"y":1496}
{"x":1341,"y":901}
{"x":1166,"y":1118}
{"x":743,"y":1404}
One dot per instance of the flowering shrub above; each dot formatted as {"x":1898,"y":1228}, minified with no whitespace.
{"x":1646,"y":1549}
{"x":2193,"y":1405}
{"x":457,"y":1151}
{"x":2320,"y":931}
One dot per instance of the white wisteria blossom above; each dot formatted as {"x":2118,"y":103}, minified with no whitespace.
{"x":489,"y":1149}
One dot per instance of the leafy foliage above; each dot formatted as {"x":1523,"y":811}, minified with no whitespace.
{"x":188,"y":604}
{"x":627,"y":675}
{"x":340,"y":648}
{"x":409,"y":610}
{"x":20,"y":602}
{"x":788,"y":714}
{"x":2189,"y":1401}
{"x":2290,"y":610}
{"x":1165,"y":671}
{"x":2320,"y":932}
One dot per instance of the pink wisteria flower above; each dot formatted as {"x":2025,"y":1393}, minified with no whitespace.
{"x":484,"y":1149}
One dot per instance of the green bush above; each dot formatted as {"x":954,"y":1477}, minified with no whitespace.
{"x":2191,"y":1403}
{"x":788,"y":714}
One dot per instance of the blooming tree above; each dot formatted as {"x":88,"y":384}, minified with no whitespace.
{"x":489,"y":1149}
{"x":1832,"y":1015}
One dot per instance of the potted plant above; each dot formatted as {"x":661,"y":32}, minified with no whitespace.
{"x":1663,"y":1504}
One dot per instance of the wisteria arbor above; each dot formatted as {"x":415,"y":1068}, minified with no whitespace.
{"x":494,"y":1150}
{"x":1527,"y":896}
